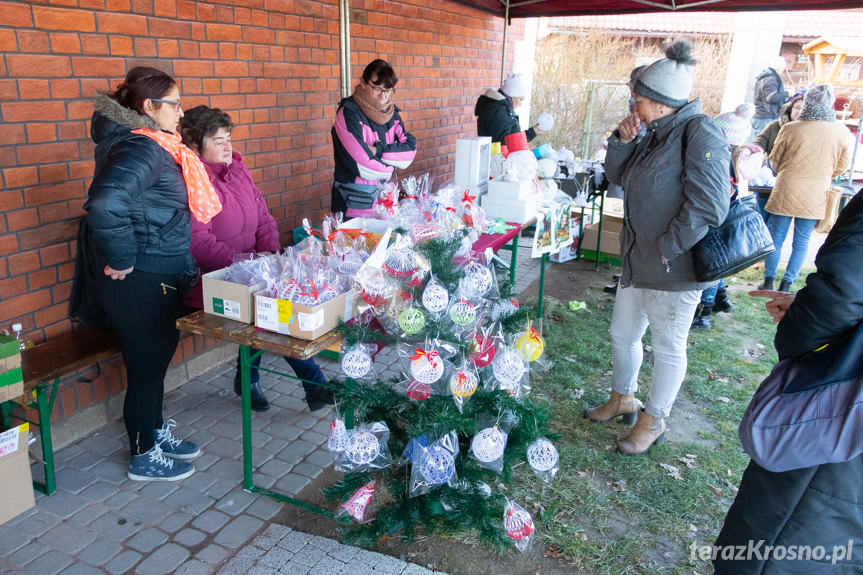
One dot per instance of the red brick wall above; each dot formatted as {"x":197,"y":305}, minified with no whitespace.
{"x":272,"y":64}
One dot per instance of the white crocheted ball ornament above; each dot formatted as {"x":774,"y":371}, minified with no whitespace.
{"x":435,"y":297}
{"x":488,"y":444}
{"x":357,"y":362}
{"x":508,"y":367}
{"x":477,"y":280}
{"x":542,"y":455}
{"x":427,"y":369}
{"x":462,"y":313}
{"x":362,"y":447}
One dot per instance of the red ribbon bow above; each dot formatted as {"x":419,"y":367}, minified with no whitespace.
{"x":429,"y":355}
{"x":532,"y":334}
{"x":467,"y":198}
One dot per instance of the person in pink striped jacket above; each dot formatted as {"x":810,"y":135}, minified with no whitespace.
{"x":369,"y":140}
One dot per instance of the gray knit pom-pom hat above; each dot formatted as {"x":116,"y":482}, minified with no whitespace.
{"x":668,"y":81}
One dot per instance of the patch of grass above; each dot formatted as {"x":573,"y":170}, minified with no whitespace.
{"x":645,"y":525}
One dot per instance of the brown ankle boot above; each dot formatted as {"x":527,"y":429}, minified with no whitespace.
{"x":625,"y":405}
{"x":647,"y":431}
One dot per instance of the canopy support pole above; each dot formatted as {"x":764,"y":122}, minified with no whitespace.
{"x":345,"y":48}
{"x":503,"y":51}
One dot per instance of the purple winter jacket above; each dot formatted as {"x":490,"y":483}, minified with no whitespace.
{"x":243,"y":225}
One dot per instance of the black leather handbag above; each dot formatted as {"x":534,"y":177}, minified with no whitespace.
{"x":739,"y":242}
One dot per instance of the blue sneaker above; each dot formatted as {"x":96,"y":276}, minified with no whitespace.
{"x":172,"y":446}
{"x":154,"y":466}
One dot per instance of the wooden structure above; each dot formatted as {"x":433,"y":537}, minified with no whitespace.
{"x":839,"y":49}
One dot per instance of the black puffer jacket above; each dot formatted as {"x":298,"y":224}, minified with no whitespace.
{"x":137,"y":207}
{"x":820,"y":505}
{"x":770,"y":94}
{"x":496,"y":117}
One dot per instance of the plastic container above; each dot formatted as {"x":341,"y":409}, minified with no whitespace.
{"x":516,"y":142}
{"x":23,"y":341}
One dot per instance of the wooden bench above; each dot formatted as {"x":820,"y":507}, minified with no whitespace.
{"x":48,"y":362}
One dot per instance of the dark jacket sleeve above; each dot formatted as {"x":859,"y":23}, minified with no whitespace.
{"x":501,"y":122}
{"x":131,"y":166}
{"x":831,"y":303}
{"x":617,"y":157}
{"x":706,"y":187}
{"x":772,"y":89}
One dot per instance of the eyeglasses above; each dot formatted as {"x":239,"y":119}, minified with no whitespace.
{"x":385,"y":91}
{"x":174,"y":103}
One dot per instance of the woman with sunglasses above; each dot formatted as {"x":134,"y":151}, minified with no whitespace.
{"x":134,"y":248}
{"x":244,"y":225}
{"x":369,"y":140}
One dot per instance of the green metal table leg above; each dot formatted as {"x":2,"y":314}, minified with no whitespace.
{"x":245,"y":383}
{"x":45,"y":406}
{"x":542,"y":261}
{"x":513,"y":258}
{"x":599,"y":230}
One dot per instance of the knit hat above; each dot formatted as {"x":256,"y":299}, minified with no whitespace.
{"x":668,"y":81}
{"x":516,"y":86}
{"x":821,"y":96}
{"x":736,"y":124}
{"x":636,"y":72}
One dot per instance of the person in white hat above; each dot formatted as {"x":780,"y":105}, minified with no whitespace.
{"x":495,"y":110}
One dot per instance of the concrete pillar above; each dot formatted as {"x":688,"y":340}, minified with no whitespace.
{"x":523,"y":63}
{"x":757,"y":38}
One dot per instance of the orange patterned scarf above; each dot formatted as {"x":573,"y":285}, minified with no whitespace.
{"x":203,"y":201}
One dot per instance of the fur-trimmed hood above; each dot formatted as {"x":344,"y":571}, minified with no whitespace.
{"x":110,"y":115}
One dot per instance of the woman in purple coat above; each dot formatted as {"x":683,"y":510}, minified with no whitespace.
{"x":244,"y":225}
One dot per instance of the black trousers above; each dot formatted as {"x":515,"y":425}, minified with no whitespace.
{"x":143,"y":308}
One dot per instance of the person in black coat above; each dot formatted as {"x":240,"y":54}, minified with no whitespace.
{"x":822,"y":504}
{"x":139,"y":217}
{"x":495,"y":110}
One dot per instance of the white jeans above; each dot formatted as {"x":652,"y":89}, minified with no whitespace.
{"x":669,"y":315}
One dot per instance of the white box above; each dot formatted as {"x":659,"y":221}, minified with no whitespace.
{"x":516,"y":211}
{"x":504,"y":190}
{"x":229,"y":299}
{"x":472,"y":157}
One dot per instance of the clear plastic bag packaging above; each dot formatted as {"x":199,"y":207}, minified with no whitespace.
{"x":386,"y":207}
{"x":518,"y":525}
{"x":484,"y":342}
{"x":357,"y":362}
{"x":376,"y":288}
{"x":463,"y":382}
{"x":360,"y":506}
{"x":366,"y":449}
{"x":434,"y":465}
{"x":479,"y":282}
{"x":543,"y":459}
{"x":511,"y":372}
{"x":338,"y":437}
{"x":435,"y":298}
{"x":489,"y":443}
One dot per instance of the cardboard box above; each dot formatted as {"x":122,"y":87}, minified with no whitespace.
{"x":10,"y":363}
{"x":504,"y":190}
{"x":228,"y":299}
{"x":516,"y":211}
{"x":610,"y":242}
{"x":301,"y":321}
{"x":15,"y":473}
{"x":373,"y":229}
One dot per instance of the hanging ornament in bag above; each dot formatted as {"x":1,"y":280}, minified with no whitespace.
{"x":508,"y":368}
{"x":356,"y":362}
{"x":517,"y":522}
{"x":426,"y":367}
{"x":477,"y":280}
{"x":463,"y":383}
{"x":358,"y":503}
{"x":503,"y":308}
{"x":435,"y":297}
{"x":350,"y":264}
{"x":418,"y":390}
{"x":462,"y":312}
{"x":530,"y":345}
{"x":482,"y":351}
{"x":362,"y":447}
{"x":488,"y":444}
{"x":338,"y":438}
{"x":400,"y":263}
{"x":542,"y":455}
{"x":437,"y":465}
{"x":375,"y":289}
{"x":411,"y":320}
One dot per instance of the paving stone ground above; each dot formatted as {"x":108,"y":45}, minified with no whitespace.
{"x":99,"y":521}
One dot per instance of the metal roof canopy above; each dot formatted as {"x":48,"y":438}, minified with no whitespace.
{"x":532,"y":8}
